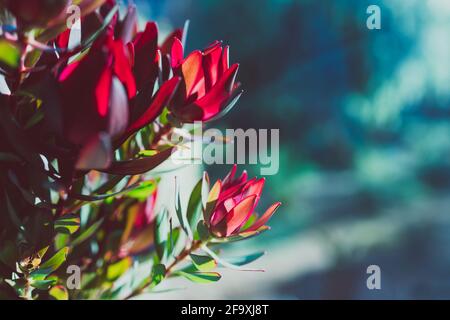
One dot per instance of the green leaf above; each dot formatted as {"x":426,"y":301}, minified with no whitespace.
{"x":115,"y":270}
{"x":203,"y":263}
{"x":51,"y":264}
{"x":161,"y":233}
{"x":68,"y":223}
{"x":9,"y":54}
{"x":182,"y":219}
{"x":144,"y":190}
{"x":203,"y":231}
{"x":213,"y":196}
{"x":138,"y":166}
{"x":200,"y":277}
{"x":194,"y":205}
{"x":157,"y":275}
{"x":59,"y":292}
{"x":147,"y":153}
{"x":205,"y":190}
{"x":88,"y":232}
{"x":43,"y":284}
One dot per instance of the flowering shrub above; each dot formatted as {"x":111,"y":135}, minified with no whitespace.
{"x":85,"y":118}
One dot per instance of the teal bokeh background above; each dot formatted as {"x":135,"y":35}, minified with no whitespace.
{"x":364,"y":118}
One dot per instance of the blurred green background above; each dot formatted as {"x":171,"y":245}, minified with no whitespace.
{"x":364,"y":119}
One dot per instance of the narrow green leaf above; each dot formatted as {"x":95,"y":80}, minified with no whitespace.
{"x":203,"y":263}
{"x":55,"y":262}
{"x":115,"y":270}
{"x":144,"y":190}
{"x":161,"y":233}
{"x":180,"y":215}
{"x":203,"y":231}
{"x":200,"y":277}
{"x":67,"y":224}
{"x":138,"y":166}
{"x":157,"y":275}
{"x":193,"y":210}
{"x":87,"y":233}
{"x":43,"y":284}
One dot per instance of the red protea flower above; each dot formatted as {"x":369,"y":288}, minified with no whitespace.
{"x":235,"y":202}
{"x":208,"y":88}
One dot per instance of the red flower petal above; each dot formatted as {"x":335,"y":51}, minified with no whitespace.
{"x":122,"y":68}
{"x":176,"y":54}
{"x":240,"y":214}
{"x":264,"y":218}
{"x":160,"y":100}
{"x":211,"y":66}
{"x":145,"y":46}
{"x":102,"y":91}
{"x":253,"y":188}
{"x":192,"y":71}
{"x":167,"y":45}
{"x":118,"y":108}
{"x":213,"y":102}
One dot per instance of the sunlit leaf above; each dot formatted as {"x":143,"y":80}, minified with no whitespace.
{"x":203,"y":263}
{"x":200,"y":277}
{"x":68,"y":223}
{"x":9,"y":54}
{"x":59,"y":292}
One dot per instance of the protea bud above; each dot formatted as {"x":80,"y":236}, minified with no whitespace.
{"x":236,"y":201}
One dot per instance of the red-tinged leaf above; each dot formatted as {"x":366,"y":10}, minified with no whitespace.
{"x":177,"y":34}
{"x":118,"y":109}
{"x":122,"y":68}
{"x":211,"y":62}
{"x":96,"y":154}
{"x":225,"y":60}
{"x":239,"y":214}
{"x":161,"y":100}
{"x":215,"y":100}
{"x":193,"y":76}
{"x":254,"y":188}
{"x":229,"y":105}
{"x":145,"y":46}
{"x":176,"y":55}
{"x":264,"y":218}
{"x":129,"y":24}
{"x":138,"y":166}
{"x":102,"y":92}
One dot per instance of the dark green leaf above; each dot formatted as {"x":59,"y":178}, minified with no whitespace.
{"x":138,"y":166}
{"x":203,"y":263}
{"x":87,"y":233}
{"x":161,"y":233}
{"x":68,"y":223}
{"x":200,"y":277}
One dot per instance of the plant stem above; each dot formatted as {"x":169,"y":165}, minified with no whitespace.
{"x":196,"y":244}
